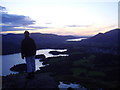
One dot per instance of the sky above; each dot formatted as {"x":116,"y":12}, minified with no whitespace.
{"x":62,"y":17}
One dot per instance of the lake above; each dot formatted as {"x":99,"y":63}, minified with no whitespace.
{"x":9,"y":61}
{"x":78,"y":39}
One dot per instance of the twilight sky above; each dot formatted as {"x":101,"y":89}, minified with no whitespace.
{"x":63,"y":17}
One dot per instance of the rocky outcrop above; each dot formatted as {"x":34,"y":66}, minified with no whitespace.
{"x":41,"y":56}
{"x":19,"y":68}
{"x":41,"y":80}
{"x":57,"y":52}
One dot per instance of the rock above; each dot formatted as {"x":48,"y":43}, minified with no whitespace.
{"x":41,"y":80}
{"x":19,"y":68}
{"x":54,"y":52}
{"x":57,"y":52}
{"x":70,"y":88}
{"x":41,"y":56}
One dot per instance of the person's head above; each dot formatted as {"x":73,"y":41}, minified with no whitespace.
{"x":26,"y":33}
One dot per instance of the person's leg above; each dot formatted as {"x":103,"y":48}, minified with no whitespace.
{"x":28,"y":63}
{"x":33,"y":63}
{"x":29,"y":68}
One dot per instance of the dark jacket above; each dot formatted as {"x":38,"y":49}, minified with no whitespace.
{"x":28,"y":47}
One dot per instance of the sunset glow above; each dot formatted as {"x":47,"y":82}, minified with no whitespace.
{"x":60,"y":17}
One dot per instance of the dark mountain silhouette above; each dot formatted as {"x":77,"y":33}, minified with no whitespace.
{"x":11,"y":42}
{"x":108,"y":43}
{"x":108,"y":39}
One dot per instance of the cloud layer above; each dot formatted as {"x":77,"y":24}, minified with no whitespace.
{"x":18,"y":20}
{"x":13,"y":22}
{"x":2,"y":8}
{"x":78,"y":25}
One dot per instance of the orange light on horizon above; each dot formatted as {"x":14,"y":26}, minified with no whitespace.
{"x":79,"y":31}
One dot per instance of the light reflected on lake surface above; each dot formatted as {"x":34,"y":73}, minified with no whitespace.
{"x":78,"y":39}
{"x":47,"y":54}
{"x":63,"y":85}
{"x":9,"y":61}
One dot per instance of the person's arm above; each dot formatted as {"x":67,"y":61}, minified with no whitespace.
{"x":34,"y":46}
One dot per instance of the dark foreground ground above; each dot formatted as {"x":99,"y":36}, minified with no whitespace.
{"x":90,"y":70}
{"x":41,"y":80}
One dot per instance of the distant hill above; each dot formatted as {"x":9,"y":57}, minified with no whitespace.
{"x":108,"y":43}
{"x":11,"y":42}
{"x":108,"y":39}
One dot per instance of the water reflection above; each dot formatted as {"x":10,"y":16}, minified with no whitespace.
{"x":78,"y":39}
{"x":9,"y":61}
{"x":14,"y":59}
{"x":63,"y":85}
{"x":73,"y":86}
{"x":47,"y":54}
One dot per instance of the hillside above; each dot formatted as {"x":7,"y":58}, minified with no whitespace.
{"x":108,"y":39}
{"x":108,"y":42}
{"x":11,"y":42}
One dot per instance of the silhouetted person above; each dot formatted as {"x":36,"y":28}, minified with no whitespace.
{"x":28,"y":51}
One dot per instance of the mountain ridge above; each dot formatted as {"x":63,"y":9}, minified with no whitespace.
{"x":110,"y":38}
{"x":11,"y":42}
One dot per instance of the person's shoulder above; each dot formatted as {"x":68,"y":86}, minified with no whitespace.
{"x":31,"y":39}
{"x":27,"y":39}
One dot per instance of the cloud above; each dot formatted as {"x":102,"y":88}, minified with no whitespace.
{"x":37,"y":27}
{"x":15,"y":28}
{"x":78,"y":25}
{"x":13,"y":22}
{"x":18,"y":28}
{"x":2,"y":8}
{"x":18,"y":20}
{"x":48,"y":23}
